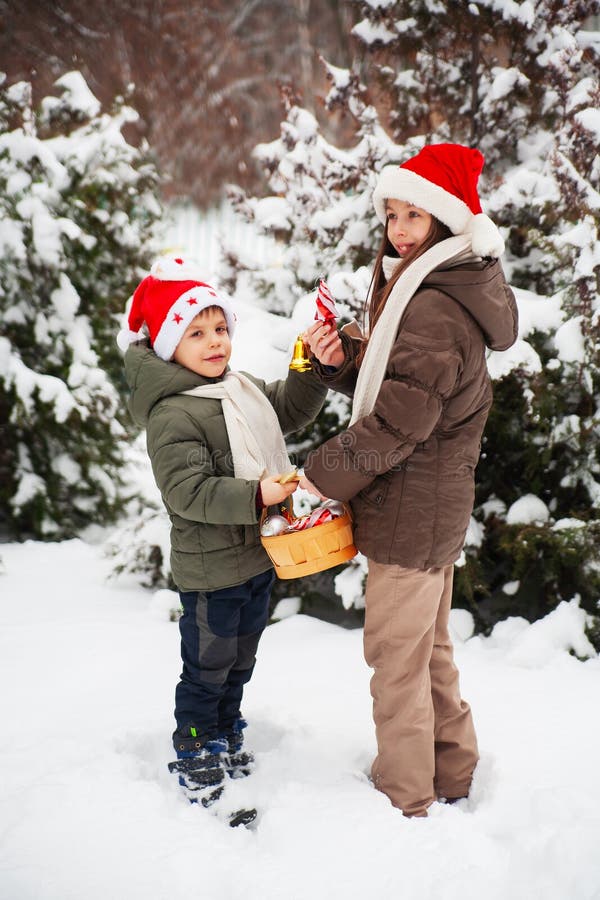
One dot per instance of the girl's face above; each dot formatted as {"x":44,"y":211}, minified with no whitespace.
{"x":205,"y":348}
{"x":407,"y":226}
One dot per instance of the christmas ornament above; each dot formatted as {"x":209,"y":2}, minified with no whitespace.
{"x":274,"y":525}
{"x":300,"y":359}
{"x":326,"y":309}
{"x":327,"y":313}
{"x":317,"y":517}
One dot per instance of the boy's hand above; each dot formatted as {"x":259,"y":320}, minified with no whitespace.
{"x":273,"y":491}
{"x":324,"y":342}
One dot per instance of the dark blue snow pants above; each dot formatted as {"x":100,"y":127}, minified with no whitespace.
{"x":220,"y":631}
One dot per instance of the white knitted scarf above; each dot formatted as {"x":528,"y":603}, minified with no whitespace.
{"x":255,"y":436}
{"x":381,"y":340}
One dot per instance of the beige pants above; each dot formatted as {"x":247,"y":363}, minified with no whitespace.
{"x":426,"y":744}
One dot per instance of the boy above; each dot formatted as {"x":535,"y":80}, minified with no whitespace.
{"x":215,"y":441}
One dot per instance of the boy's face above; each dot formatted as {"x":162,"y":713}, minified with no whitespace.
{"x":205,"y":348}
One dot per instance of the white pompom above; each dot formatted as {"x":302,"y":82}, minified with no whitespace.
{"x":486,"y":240}
{"x":169,"y":268}
{"x":125,"y":337}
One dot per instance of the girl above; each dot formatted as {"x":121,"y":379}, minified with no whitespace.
{"x":421,"y":396}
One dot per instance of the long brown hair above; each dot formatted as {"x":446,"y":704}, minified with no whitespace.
{"x":380,"y":289}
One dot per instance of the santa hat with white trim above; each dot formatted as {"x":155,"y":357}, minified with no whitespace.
{"x":165,"y":303}
{"x":442,"y":180}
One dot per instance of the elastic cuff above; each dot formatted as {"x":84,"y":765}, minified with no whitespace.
{"x":260,"y":504}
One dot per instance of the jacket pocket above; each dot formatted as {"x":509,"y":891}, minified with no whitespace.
{"x":191,"y":537}
{"x":376,"y":493}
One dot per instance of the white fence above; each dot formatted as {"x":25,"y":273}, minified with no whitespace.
{"x":201,"y":233}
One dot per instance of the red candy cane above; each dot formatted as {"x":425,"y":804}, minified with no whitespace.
{"x":317,"y":517}
{"x":326,"y":310}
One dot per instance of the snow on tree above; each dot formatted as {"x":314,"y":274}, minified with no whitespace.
{"x":520,"y":81}
{"x":453,"y":70}
{"x":78,"y":211}
{"x":320,"y":213}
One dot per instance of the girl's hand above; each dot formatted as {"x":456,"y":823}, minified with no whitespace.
{"x":307,"y":485}
{"x":273,"y":492}
{"x":324,"y":342}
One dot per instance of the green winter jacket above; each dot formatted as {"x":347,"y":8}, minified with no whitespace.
{"x":215,"y":541}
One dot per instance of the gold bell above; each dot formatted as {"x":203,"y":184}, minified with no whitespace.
{"x":300,"y":361}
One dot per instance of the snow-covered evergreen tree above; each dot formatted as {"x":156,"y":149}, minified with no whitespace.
{"x":543,"y":434}
{"x":461,"y":71}
{"x":319,"y":212}
{"x":520,"y":81}
{"x":78,"y":210}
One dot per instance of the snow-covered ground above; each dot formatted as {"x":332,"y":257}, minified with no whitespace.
{"x":88,"y":668}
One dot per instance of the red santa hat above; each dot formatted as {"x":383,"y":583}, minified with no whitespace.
{"x":165,"y":303}
{"x":442,"y":179}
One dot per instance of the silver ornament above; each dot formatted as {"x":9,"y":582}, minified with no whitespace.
{"x":274,"y":525}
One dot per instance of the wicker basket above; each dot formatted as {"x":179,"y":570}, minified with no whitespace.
{"x":298,"y":553}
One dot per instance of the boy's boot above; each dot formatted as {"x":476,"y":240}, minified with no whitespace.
{"x":238,"y":762}
{"x":199,"y":766}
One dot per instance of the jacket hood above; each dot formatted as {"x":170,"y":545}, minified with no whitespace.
{"x":480,"y":287}
{"x":151,"y":379}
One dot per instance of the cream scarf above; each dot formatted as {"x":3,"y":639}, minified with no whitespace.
{"x":255,"y":436}
{"x":381,"y":341}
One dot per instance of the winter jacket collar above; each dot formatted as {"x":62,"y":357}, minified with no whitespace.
{"x":152,"y":379}
{"x":391,"y":263}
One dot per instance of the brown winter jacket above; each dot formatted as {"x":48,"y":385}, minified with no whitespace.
{"x":408,"y":467}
